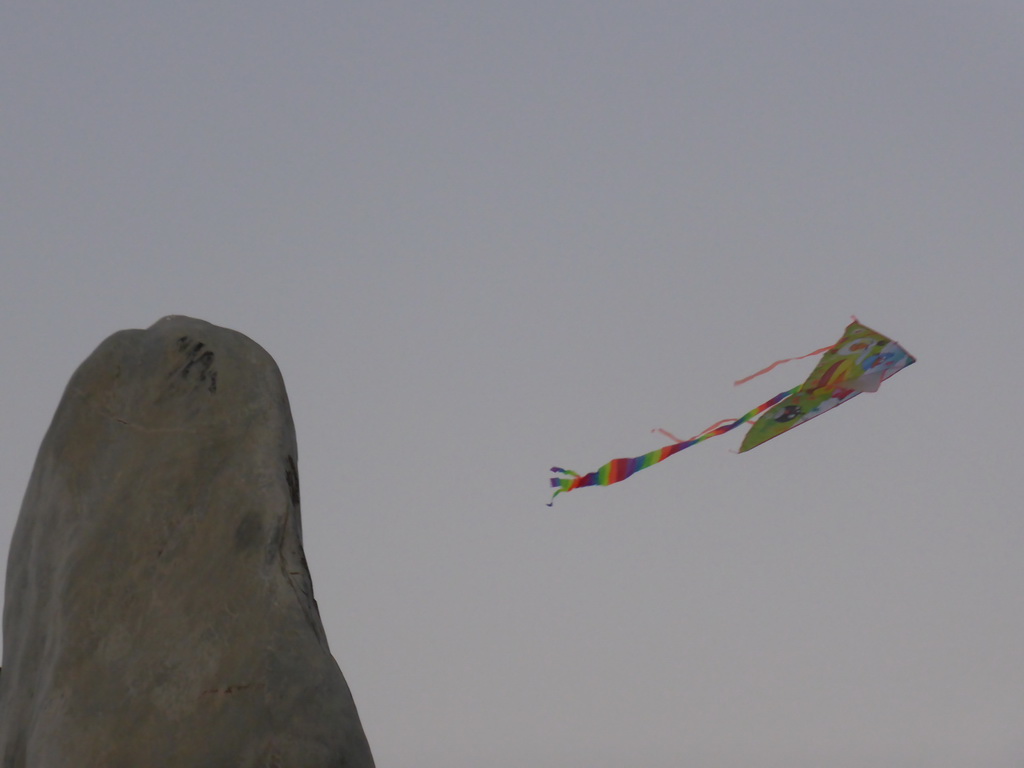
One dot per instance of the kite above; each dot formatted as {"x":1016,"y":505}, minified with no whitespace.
{"x":859,"y":362}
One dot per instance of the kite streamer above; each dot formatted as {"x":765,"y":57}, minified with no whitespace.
{"x":777,"y":363}
{"x":617,"y":470}
{"x":859,"y":362}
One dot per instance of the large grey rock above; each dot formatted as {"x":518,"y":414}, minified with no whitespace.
{"x":159,"y":611}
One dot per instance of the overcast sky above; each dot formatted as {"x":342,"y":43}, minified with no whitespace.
{"x":484,"y":238}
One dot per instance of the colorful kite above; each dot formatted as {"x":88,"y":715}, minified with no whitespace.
{"x":859,"y":362}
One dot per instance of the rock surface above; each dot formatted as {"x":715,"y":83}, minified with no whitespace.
{"x":159,"y":611}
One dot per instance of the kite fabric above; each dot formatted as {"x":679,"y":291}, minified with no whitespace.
{"x":859,"y":362}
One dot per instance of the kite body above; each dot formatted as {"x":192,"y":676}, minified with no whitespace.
{"x":859,"y":362}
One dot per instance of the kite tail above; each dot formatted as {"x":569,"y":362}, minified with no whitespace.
{"x":618,"y":470}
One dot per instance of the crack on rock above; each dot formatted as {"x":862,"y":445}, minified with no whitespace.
{"x":139,"y":428}
{"x":295,"y":569}
{"x":229,"y":689}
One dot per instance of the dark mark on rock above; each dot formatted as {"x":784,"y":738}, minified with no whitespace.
{"x":198,"y":362}
{"x":291,"y":476}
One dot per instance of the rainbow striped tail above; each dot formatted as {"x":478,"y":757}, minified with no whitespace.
{"x":618,"y":470}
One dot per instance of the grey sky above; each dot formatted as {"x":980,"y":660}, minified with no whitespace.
{"x":481,"y":239}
